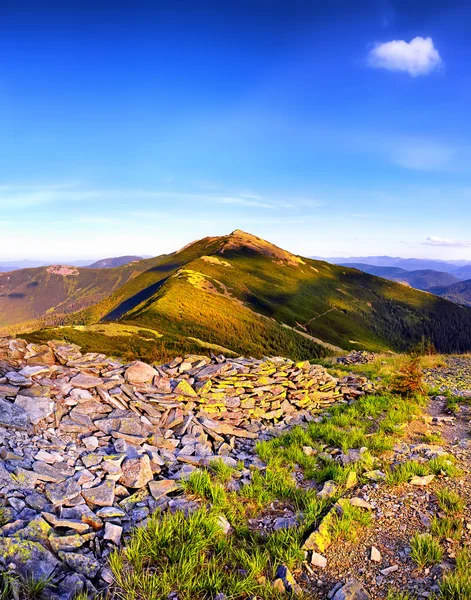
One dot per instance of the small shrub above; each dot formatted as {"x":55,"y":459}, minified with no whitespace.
{"x":409,"y":379}
{"x":425,"y":550}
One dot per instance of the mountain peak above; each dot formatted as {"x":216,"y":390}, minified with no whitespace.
{"x":239,"y":240}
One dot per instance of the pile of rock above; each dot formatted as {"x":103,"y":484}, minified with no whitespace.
{"x":89,"y":447}
{"x":357,"y":357}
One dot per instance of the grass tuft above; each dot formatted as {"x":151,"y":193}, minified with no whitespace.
{"x":425,"y":550}
{"x":447,"y":527}
{"x":450,"y":502}
{"x":457,"y":584}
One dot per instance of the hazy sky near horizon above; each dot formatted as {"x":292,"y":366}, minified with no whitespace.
{"x":330,"y":128}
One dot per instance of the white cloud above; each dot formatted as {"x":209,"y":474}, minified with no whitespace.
{"x":417,"y":57}
{"x":422,"y":154}
{"x":435,"y":240}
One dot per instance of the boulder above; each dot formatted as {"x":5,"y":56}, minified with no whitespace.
{"x":30,"y":558}
{"x":37,"y":409}
{"x":140,"y":372}
{"x":137,"y":472}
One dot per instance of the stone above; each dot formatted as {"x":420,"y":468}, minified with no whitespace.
{"x":163,"y":487}
{"x":101,"y":495}
{"x":30,"y":558}
{"x":224,"y":524}
{"x":375,"y":475}
{"x":320,"y":539}
{"x":137,"y":472}
{"x":68,"y":543}
{"x":317,"y":560}
{"x":352,"y":590}
{"x":80,"y":563}
{"x":140,"y":372}
{"x":37,"y":409}
{"x":422,"y":481}
{"x":55,"y":474}
{"x":389,"y":570}
{"x":375,"y":554}
{"x":328,"y":490}
{"x":85,"y":382}
{"x":56,"y":522}
{"x":63,"y":492}
{"x":113,"y":533}
{"x":13,"y":416}
{"x":360,"y":503}
{"x":91,"y":442}
{"x":185,"y":389}
{"x":288,"y":584}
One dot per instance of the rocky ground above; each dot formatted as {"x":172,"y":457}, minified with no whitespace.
{"x":380,"y":558}
{"x":89,"y":447}
{"x":453,"y":377}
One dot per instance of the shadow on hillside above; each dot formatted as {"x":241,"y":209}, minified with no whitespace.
{"x":134,"y":301}
{"x":165,"y":267}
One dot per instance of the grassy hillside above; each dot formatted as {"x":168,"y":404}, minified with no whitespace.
{"x":45,"y":294}
{"x":248,"y":296}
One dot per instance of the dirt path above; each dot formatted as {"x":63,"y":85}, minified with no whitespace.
{"x":401,"y":511}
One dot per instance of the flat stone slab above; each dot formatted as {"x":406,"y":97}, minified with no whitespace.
{"x":13,"y":416}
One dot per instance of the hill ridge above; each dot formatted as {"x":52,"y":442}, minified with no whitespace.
{"x":239,"y":291}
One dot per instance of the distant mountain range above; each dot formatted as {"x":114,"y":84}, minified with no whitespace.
{"x":458,"y":292}
{"x":104,"y":263}
{"x":424,"y":279}
{"x":448,"y":279}
{"x":459,"y":268}
{"x":235,"y":294}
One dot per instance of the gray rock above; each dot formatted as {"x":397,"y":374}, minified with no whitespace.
{"x":37,"y":409}
{"x":352,"y":590}
{"x":13,"y":416}
{"x":137,"y":472}
{"x":63,"y":492}
{"x":30,"y":558}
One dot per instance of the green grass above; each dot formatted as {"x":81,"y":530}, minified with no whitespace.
{"x":403,"y":473}
{"x":457,"y":584}
{"x":447,"y":527}
{"x":432,"y":437}
{"x":349,"y":524}
{"x":450,"y":502}
{"x":192,"y":557}
{"x":425,"y":550}
{"x":14,"y":587}
{"x":394,"y":595}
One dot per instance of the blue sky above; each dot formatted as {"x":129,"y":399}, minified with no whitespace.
{"x":330,"y":128}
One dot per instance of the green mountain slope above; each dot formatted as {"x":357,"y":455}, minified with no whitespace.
{"x":248,"y":296}
{"x":45,"y":294}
